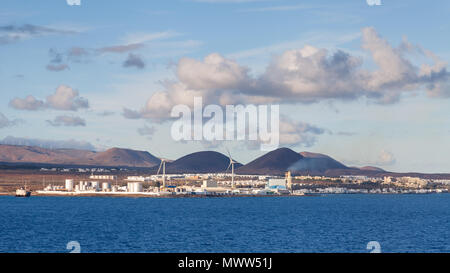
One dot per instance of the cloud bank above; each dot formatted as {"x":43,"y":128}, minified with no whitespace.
{"x":305,"y":75}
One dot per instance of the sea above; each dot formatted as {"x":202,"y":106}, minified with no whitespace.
{"x":356,"y":223}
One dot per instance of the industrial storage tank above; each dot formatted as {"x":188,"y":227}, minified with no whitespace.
{"x":134,"y":187}
{"x":138,"y":187}
{"x":69,"y":184}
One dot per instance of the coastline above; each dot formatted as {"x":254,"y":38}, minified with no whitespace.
{"x":146,"y":195}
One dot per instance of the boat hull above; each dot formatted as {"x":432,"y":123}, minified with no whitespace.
{"x":23,"y":194}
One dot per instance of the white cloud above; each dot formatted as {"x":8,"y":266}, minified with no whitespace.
{"x":67,"y":121}
{"x":293,"y":133}
{"x":119,"y":48}
{"x":5,"y":122}
{"x":214,"y":72}
{"x":29,"y":103}
{"x":15,"y":33}
{"x":385,"y":158}
{"x":304,"y":75}
{"x":142,"y":37}
{"x":57,"y":67}
{"x":65,"y":98}
{"x":147,"y":131}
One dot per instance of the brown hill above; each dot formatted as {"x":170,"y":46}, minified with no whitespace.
{"x":126,"y":157}
{"x":111,"y":157}
{"x":371,"y":168}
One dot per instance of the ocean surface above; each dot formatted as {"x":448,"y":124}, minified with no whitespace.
{"x":329,"y":223}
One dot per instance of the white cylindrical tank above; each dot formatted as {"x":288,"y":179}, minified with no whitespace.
{"x":69,"y":184}
{"x":134,"y":187}
{"x":138,"y":187}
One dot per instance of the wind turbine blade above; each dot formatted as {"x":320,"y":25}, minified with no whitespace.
{"x":228,"y":167}
{"x":228,"y":152}
{"x":160,"y":167}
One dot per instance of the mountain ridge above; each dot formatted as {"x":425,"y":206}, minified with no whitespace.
{"x":272,"y":163}
{"x":114,"y":157}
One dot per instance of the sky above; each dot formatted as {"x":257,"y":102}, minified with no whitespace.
{"x":365,"y":84}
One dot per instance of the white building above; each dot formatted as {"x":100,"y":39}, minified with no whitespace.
{"x":138,"y":178}
{"x":209,"y":184}
{"x":69,"y":184}
{"x":103,"y":177}
{"x":276,"y":183}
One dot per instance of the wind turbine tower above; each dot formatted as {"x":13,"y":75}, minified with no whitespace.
{"x":232,"y":162}
{"x":163,"y":165}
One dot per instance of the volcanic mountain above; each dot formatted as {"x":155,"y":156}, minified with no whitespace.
{"x":371,"y":168}
{"x":274,"y":163}
{"x":315,"y":163}
{"x":200,"y":162}
{"x":111,"y":157}
{"x":126,"y":157}
{"x":284,"y":159}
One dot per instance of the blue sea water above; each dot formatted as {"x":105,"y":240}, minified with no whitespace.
{"x":331,"y":223}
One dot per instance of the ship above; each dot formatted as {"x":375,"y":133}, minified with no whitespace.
{"x":23,"y":192}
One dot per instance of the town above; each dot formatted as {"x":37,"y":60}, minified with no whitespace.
{"x":226,"y":184}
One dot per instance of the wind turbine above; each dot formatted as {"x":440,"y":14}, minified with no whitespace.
{"x":163,"y":165}
{"x":232,"y":162}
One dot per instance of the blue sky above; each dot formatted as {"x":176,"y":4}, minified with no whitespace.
{"x":115,"y":55}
